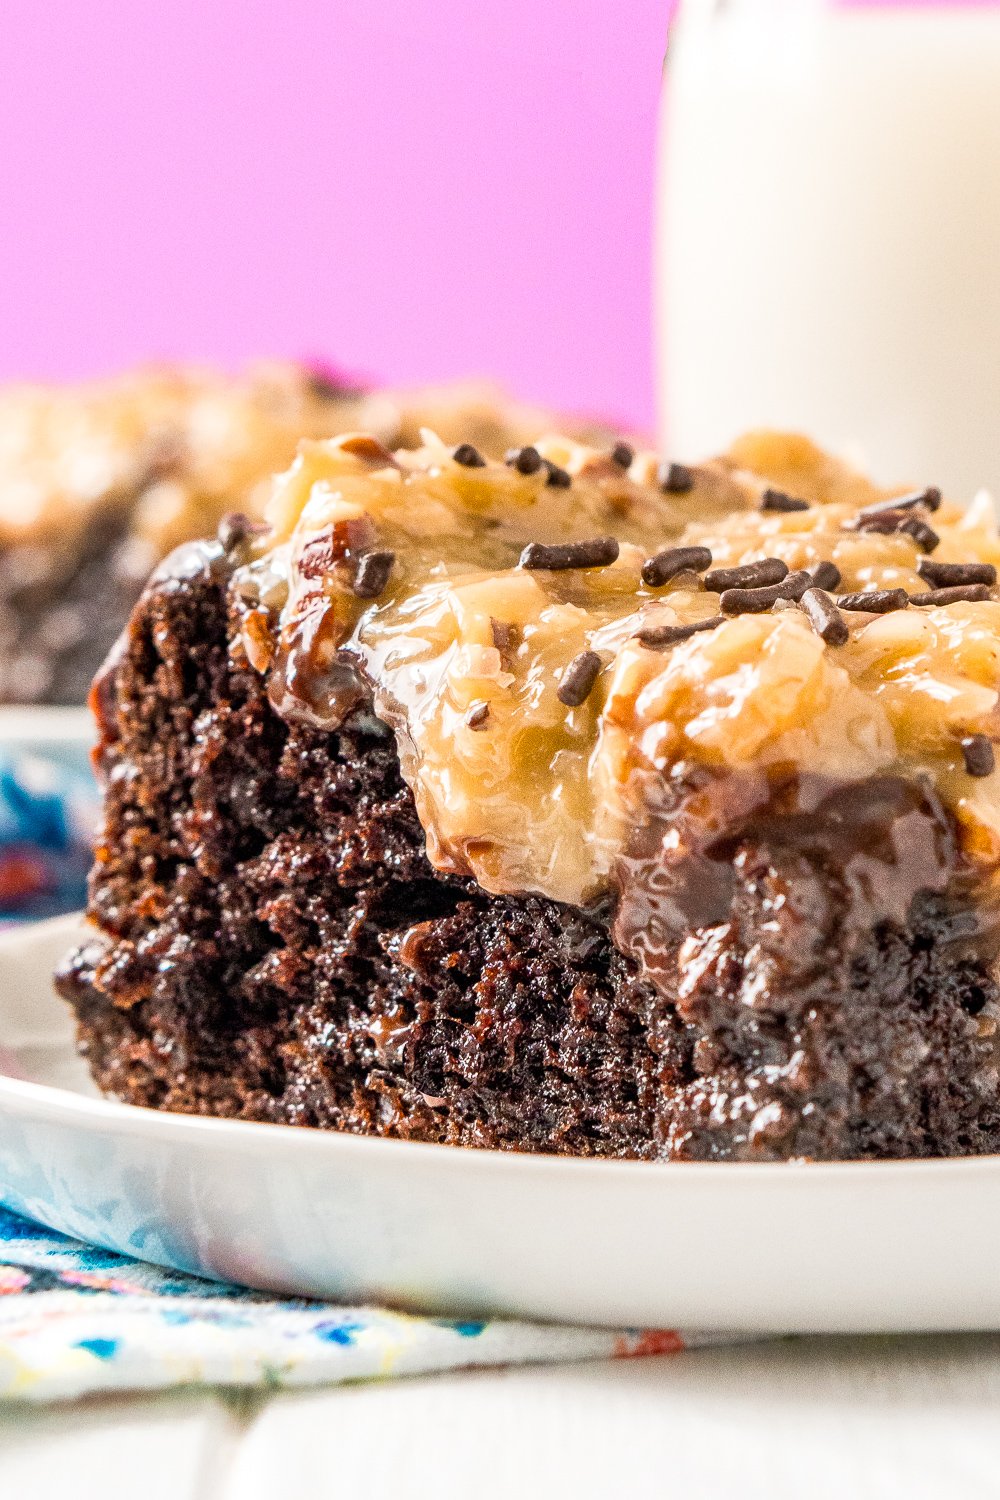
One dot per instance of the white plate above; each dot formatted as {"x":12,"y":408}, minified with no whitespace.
{"x":39,"y":727}
{"x":798,"y":1247}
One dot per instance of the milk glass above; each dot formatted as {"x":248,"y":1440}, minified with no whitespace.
{"x":828,"y":247}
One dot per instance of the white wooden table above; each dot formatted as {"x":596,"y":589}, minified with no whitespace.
{"x":915,"y":1418}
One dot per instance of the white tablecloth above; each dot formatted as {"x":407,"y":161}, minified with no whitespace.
{"x":842,"y":1419}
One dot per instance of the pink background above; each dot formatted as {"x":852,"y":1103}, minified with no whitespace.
{"x":414,"y":191}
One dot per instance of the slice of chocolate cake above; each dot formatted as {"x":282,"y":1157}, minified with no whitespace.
{"x":573,"y":803}
{"x":98,"y":481}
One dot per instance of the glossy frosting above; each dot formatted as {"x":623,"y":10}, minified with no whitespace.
{"x":464,"y":650}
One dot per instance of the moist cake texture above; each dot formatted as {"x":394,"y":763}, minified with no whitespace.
{"x":99,"y":481}
{"x":575,"y":802}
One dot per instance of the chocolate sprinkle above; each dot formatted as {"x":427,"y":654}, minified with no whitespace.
{"x":929,"y":499}
{"x":658,"y":636}
{"x":675,"y":479}
{"x":826,"y":575}
{"x":622,"y":454}
{"x":557,"y":478}
{"x":794,"y":585}
{"x":755,"y":575}
{"x":658,"y":570}
{"x":961,"y":593}
{"x":778,"y":500}
{"x":578,"y":679}
{"x":756,"y":601}
{"x":469,"y":457}
{"x":886,"y":522}
{"x":925,"y":536}
{"x":824,"y":616}
{"x":942,"y":575}
{"x":597,"y":553}
{"x":875,"y":601}
{"x":524,"y":460}
{"x":373,"y":573}
{"x":237,"y":528}
{"x":978,"y":754}
{"x":478,"y":716}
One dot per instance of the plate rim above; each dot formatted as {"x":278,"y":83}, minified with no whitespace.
{"x":26,"y":724}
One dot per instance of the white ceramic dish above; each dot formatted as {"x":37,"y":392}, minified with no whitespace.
{"x":40,"y":728}
{"x":798,"y":1247}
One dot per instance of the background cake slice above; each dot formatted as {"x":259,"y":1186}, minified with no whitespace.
{"x":99,"y":480}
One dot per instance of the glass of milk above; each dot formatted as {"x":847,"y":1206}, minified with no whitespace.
{"x":828,"y":254}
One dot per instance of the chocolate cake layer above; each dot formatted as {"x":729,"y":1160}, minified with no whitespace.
{"x":274,"y":945}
